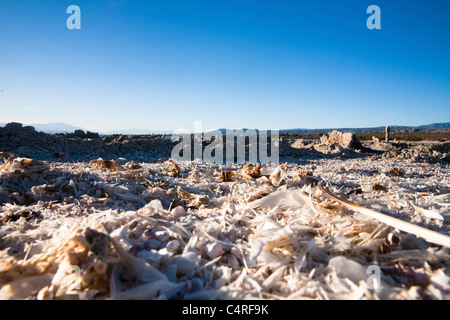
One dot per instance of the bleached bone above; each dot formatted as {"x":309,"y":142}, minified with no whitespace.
{"x":428,"y":235}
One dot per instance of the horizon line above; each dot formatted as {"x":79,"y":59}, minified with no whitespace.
{"x":150,"y":131}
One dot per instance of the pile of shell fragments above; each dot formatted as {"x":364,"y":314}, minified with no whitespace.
{"x":168,"y":230}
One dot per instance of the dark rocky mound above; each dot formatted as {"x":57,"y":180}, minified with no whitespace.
{"x":25,"y":141}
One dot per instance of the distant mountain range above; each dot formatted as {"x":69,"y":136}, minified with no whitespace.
{"x":433,"y":126}
{"x":135,"y":132}
{"x":61,"y":127}
{"x":53,"y":127}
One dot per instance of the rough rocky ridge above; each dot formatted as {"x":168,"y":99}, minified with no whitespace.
{"x":26,"y":142}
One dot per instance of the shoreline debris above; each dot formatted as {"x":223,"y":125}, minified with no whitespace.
{"x":134,"y":229}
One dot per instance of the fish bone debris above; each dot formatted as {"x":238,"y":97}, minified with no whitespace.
{"x":110,"y":228}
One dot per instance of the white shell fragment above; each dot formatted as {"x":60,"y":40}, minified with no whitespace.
{"x":153,"y":207}
{"x":214,"y":250}
{"x":348,"y":269}
{"x":178,"y":212}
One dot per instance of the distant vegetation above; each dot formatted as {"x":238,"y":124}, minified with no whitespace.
{"x":404,"y":135}
{"x":422,"y":135}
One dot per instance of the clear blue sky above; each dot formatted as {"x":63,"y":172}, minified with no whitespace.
{"x":162,"y":65}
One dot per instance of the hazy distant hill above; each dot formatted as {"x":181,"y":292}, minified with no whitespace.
{"x":135,"y":132}
{"x":61,"y":127}
{"x":433,"y":126}
{"x":55,"y":127}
